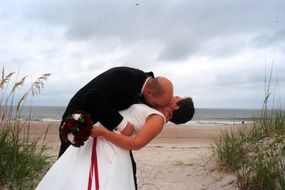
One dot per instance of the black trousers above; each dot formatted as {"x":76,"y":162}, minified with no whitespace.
{"x":134,"y":169}
{"x":63,"y":145}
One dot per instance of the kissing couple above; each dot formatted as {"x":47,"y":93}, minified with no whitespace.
{"x":129,"y":108}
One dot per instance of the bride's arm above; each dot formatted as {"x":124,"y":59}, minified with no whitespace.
{"x":151,"y":129}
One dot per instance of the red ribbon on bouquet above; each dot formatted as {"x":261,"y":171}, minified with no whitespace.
{"x":93,"y":167}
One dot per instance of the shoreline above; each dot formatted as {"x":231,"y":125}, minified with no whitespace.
{"x":180,"y":157}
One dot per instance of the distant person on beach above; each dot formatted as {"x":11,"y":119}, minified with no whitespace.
{"x":104,"y":161}
{"x":117,"y":89}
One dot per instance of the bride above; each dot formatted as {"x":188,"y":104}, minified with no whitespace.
{"x":104,"y":161}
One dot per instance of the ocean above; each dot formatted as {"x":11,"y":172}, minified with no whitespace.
{"x":202,"y":116}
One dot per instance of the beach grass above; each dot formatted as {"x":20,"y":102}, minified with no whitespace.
{"x":255,"y":153}
{"x":22,"y":158}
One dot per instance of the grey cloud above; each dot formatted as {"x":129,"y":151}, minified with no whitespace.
{"x":266,"y":39}
{"x":251,"y":77}
{"x":179,"y":48}
{"x":92,"y":36}
{"x":183,"y":28}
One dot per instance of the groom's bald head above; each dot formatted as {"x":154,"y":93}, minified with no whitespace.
{"x":158,"y":92}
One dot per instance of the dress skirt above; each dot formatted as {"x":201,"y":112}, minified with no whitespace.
{"x":75,"y":170}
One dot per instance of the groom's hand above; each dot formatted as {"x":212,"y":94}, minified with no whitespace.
{"x":128,"y":130}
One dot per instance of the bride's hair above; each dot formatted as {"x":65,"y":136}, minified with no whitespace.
{"x":185,"y":112}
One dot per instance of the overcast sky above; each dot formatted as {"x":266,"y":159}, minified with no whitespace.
{"x":219,"y":52}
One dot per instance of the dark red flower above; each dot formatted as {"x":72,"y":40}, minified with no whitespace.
{"x":77,"y":128}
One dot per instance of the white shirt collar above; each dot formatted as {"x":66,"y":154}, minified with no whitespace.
{"x":145,"y":84}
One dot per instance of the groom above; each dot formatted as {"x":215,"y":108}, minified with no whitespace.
{"x":117,"y":89}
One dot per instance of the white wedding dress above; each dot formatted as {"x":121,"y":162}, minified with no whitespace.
{"x":72,"y":170}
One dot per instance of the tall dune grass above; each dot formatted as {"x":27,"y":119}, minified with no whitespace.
{"x":255,"y":153}
{"x":21,"y":158}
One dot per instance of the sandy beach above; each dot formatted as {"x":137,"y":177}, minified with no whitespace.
{"x":179,"y":158}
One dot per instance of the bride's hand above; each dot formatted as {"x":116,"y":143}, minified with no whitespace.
{"x":97,"y":131}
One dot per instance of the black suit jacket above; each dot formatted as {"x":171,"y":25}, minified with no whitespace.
{"x":114,"y":90}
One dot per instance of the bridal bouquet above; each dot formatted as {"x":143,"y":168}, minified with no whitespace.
{"x":77,"y":128}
